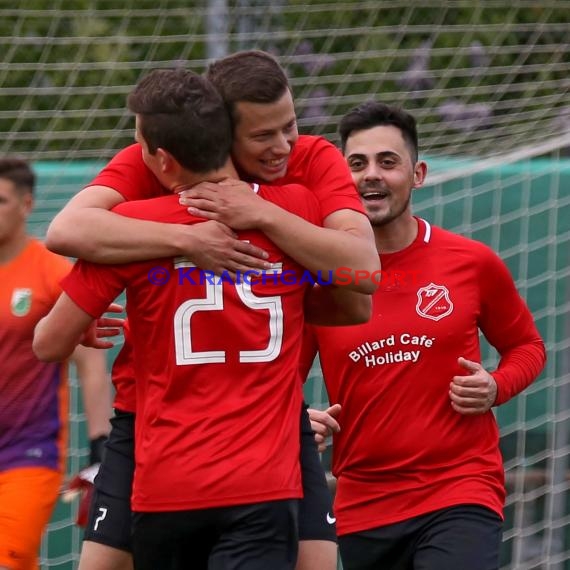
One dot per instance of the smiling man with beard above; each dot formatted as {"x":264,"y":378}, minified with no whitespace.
{"x":419,"y":471}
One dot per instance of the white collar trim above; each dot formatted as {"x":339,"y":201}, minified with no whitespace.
{"x":427,"y":235}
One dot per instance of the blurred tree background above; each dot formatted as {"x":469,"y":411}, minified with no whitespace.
{"x":461,"y":66}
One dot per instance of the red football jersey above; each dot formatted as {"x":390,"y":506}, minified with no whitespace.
{"x":314,"y":162}
{"x":402,"y":450}
{"x":216,"y":366}
{"x":122,"y":374}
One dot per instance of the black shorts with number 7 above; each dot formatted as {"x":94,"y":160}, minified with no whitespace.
{"x":110,"y":517}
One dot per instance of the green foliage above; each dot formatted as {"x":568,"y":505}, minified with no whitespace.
{"x":68,"y":65}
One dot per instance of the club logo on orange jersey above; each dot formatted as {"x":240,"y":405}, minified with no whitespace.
{"x":21,"y":302}
{"x":434,"y":302}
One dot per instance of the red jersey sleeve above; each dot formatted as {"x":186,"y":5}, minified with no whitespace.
{"x":123,"y":375}
{"x":508,"y":325}
{"x":319,"y":165}
{"x":128,"y":174}
{"x":92,"y":286}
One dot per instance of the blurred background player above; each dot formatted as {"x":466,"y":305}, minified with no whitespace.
{"x":33,"y":394}
{"x":266,"y":141}
{"x":420,"y":475}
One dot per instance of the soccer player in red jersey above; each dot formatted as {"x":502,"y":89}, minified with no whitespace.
{"x":217,"y":435}
{"x":420,"y":476}
{"x":265,"y":140}
{"x":33,"y":394}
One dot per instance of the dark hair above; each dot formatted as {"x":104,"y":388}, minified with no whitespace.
{"x":182,"y":113}
{"x":20,"y":173}
{"x":253,"y":76}
{"x":373,"y":114}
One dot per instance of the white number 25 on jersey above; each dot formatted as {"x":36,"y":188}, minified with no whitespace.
{"x":214,"y":301}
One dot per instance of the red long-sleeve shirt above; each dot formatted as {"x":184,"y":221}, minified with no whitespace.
{"x":402,"y":450}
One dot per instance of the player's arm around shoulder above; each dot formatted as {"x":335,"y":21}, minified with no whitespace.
{"x":355,"y":228}
{"x":87,"y":229}
{"x":75,"y":230}
{"x":342,"y":243}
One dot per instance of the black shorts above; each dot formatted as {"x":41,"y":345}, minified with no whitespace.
{"x":109,"y":519}
{"x":466,"y":537}
{"x":259,"y":536}
{"x":316,"y":518}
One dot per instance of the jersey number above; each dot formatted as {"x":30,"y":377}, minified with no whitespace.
{"x":101,"y":517}
{"x":214,"y":301}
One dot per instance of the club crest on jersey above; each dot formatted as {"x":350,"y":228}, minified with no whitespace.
{"x":434,"y":302}
{"x":21,"y":302}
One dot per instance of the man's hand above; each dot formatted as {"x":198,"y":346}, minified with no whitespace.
{"x":103,"y":327}
{"x":231,"y":202}
{"x":223,"y":253}
{"x":474,"y":393}
{"x":324,"y":424}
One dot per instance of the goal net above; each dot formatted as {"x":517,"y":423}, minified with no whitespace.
{"x":488,"y":83}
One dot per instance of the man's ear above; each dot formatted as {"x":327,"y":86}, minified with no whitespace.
{"x":420,"y":173}
{"x":27,"y":203}
{"x":166,"y":162}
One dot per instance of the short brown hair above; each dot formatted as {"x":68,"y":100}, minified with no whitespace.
{"x":20,"y":173}
{"x":372,"y":114}
{"x":252,"y":76}
{"x":182,"y":112}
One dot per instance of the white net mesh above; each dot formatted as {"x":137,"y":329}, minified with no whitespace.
{"x":488,"y":82}
{"x":483,"y":79}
